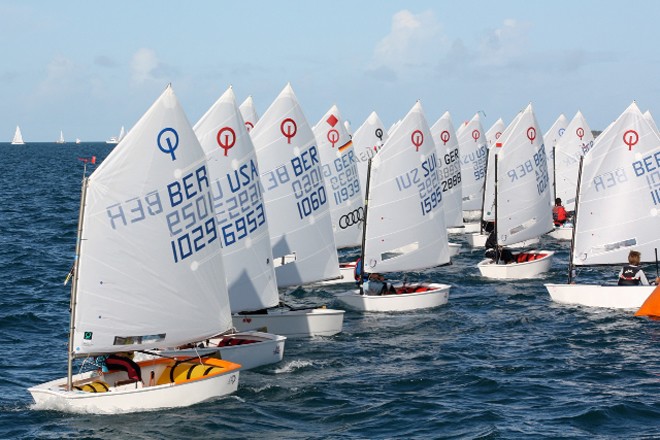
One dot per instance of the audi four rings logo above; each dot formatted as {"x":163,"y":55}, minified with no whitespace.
{"x":352,"y":218}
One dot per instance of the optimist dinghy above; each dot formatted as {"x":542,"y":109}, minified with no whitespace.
{"x":141,"y":279}
{"x":521,"y":198}
{"x":404,"y":229}
{"x":616,"y":211}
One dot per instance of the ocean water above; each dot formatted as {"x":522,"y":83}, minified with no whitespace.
{"x":499,"y":361}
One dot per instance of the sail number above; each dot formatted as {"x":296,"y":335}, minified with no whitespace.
{"x":450,"y":170}
{"x":343,"y":177}
{"x":425,"y":179}
{"x":538,"y":165}
{"x":649,"y":167}
{"x":303,"y":175}
{"x":238,"y":203}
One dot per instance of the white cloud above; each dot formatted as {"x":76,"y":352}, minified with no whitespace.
{"x":414,"y":40}
{"x":60,"y":76}
{"x":503,"y":45}
{"x":144,"y":64}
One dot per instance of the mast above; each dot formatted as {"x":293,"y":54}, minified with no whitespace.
{"x":497,"y":241}
{"x":364,"y":226}
{"x":483,"y":192}
{"x":74,"y":283}
{"x":571,"y":268}
{"x":554,"y":173}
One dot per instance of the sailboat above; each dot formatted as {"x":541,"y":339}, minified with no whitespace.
{"x":243,"y":232}
{"x":115,"y":140}
{"x":494,"y":132}
{"x":148,"y":274}
{"x":473,"y":149}
{"x":342,"y":181}
{"x":404,"y":224}
{"x":299,"y":221}
{"x":651,"y":121}
{"x":550,"y":138}
{"x":367,"y":140}
{"x":522,"y":205}
{"x":575,"y":143}
{"x":449,"y":168}
{"x":18,"y":137}
{"x":249,"y":113}
{"x":616,"y":211}
{"x":61,"y":138}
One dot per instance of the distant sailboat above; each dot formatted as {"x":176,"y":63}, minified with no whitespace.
{"x":367,"y":140}
{"x":249,"y":113}
{"x":115,"y":140}
{"x":61,"y":139}
{"x":18,"y":137}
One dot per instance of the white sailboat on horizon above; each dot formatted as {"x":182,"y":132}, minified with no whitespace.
{"x":60,"y":140}
{"x":18,"y":137}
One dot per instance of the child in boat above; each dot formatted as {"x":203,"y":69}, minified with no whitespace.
{"x":632,"y":273}
{"x":495,"y":252}
{"x":559,"y":213}
{"x":376,"y":285}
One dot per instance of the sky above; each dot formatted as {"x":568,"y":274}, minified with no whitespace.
{"x":88,"y":67}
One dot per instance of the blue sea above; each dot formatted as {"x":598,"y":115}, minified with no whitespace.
{"x":499,"y":361}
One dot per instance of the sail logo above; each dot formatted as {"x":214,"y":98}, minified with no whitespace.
{"x":226,"y":138}
{"x":379,"y":134}
{"x":531,"y":134}
{"x":476,"y":135}
{"x":333,"y":137}
{"x":580,"y":132}
{"x":444,"y":137}
{"x":630,"y":138}
{"x":289,"y":129}
{"x":170,"y":137}
{"x":249,"y":126}
{"x":417,"y":138}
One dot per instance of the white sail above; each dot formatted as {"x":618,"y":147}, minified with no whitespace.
{"x":619,"y":200}
{"x":651,"y":121}
{"x":150,"y":269}
{"x":249,"y":113}
{"x":474,"y":151}
{"x":122,"y":134}
{"x":367,"y":140}
{"x":18,"y":137}
{"x":449,"y":168}
{"x":61,"y":138}
{"x":550,"y":138}
{"x":405,"y":220}
{"x":296,"y":197}
{"x":576,"y":142}
{"x":341,"y":178}
{"x":239,"y":208}
{"x":524,"y":207}
{"x":494,"y":132}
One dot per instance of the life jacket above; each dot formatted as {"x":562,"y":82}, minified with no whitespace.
{"x":357,"y":271}
{"x":559,"y":215}
{"x":628,"y":274}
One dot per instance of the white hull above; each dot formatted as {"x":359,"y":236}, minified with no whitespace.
{"x":437,"y":296}
{"x":454,"y":249}
{"x":252,"y":349}
{"x":346,"y":275}
{"x":615,"y":297}
{"x":293,"y":323}
{"x":467,"y":228}
{"x":527,"y":269}
{"x":561,"y":233}
{"x":136,"y":396}
{"x":479,"y":240}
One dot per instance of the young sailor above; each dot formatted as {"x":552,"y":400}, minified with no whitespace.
{"x":632,"y":273}
{"x":559,"y":213}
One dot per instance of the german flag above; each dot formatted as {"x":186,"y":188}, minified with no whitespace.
{"x":345,"y":146}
